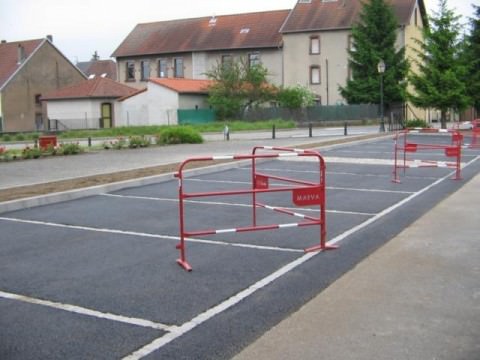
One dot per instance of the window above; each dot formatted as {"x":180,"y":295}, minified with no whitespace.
{"x":130,"y":75}
{"x":37,"y":99}
{"x":227,"y":61}
{"x":254,"y":59}
{"x":315,"y":45}
{"x":314,"y":74}
{"x":162,"y":68}
{"x":178,"y":67}
{"x":145,"y":66}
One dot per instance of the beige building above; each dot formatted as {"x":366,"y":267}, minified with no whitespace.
{"x":303,"y":46}
{"x":29,"y":69}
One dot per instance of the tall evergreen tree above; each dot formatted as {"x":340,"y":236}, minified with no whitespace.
{"x":472,"y":60}
{"x":373,"y":39}
{"x":440,"y":80}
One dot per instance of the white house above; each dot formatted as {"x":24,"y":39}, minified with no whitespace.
{"x":159,"y":103}
{"x":91,"y":104}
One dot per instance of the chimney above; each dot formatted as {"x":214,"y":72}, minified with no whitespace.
{"x":4,"y":41}
{"x":20,"y":54}
{"x":50,"y":38}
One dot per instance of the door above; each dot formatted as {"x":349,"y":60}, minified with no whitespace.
{"x":106,"y":119}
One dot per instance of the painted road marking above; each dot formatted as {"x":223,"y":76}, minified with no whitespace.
{"x":88,"y":312}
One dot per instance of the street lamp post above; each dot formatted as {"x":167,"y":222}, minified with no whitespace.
{"x":381,"y":70}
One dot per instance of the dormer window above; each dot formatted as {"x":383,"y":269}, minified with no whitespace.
{"x":212,"y":21}
{"x":304,"y":1}
{"x":244,"y":31}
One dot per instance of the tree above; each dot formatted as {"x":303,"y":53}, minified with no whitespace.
{"x":236,"y":86}
{"x":438,"y":83}
{"x":472,"y":60}
{"x":295,"y":97}
{"x":373,"y":39}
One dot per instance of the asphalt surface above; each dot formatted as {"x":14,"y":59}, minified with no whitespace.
{"x":96,"y":277}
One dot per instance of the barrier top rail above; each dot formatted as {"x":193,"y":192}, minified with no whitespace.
{"x":303,"y":193}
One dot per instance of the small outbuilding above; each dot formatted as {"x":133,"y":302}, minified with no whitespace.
{"x":91,"y":104}
{"x":163,"y":101}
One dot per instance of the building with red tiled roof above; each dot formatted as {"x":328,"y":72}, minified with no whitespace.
{"x":307,"y":45}
{"x":187,"y":48}
{"x":89,"y":104}
{"x":29,"y":69}
{"x":184,"y":86}
{"x":98,"y":68}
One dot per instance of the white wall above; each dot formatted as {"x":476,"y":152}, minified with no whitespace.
{"x":156,"y":106}
{"x":76,"y":114}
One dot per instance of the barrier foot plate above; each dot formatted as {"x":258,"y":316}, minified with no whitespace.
{"x":321,"y":248}
{"x":184,"y":264}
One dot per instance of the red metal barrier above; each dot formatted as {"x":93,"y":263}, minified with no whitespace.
{"x":475,"y":134}
{"x":303,"y":193}
{"x":403,"y":146}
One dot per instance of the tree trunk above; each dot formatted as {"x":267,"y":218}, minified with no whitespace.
{"x":443,"y":118}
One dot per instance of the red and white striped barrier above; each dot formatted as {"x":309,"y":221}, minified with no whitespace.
{"x":303,"y":193}
{"x":402,"y":147}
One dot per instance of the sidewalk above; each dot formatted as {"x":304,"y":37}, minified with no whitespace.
{"x":417,"y":297}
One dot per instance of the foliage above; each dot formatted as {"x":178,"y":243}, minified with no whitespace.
{"x":417,"y":123}
{"x":179,"y":135}
{"x":373,"y":39}
{"x":31,"y":153}
{"x":295,"y":97}
{"x":69,"y":149}
{"x":471,"y":56}
{"x":236,"y":86}
{"x":138,"y":142}
{"x":439,"y":82}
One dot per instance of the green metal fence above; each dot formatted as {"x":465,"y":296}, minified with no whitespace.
{"x":316,"y":113}
{"x":195,"y":116}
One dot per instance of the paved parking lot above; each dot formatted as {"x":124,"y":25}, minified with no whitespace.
{"x":96,"y":277}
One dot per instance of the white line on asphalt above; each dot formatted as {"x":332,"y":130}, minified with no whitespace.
{"x":230,"y":204}
{"x":328,"y":187}
{"x":148,"y":235}
{"x":88,"y":312}
{"x":235,"y":299}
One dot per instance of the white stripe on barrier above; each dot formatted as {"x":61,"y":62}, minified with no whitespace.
{"x":281,"y":226}
{"x":442,"y":164}
{"x":223,"y":157}
{"x":287,"y":154}
{"x":224,"y":231}
{"x":443,"y":130}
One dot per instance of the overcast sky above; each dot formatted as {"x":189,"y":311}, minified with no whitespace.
{"x":82,"y":26}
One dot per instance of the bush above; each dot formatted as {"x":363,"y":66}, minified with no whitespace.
{"x":31,"y":153}
{"x":6,"y":137}
{"x":417,"y":123}
{"x":179,"y":135}
{"x":69,"y":149}
{"x":19,"y":137}
{"x":138,"y":141}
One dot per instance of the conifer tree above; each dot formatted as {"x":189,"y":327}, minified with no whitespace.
{"x":373,"y":39}
{"x":440,"y":81}
{"x":472,"y":60}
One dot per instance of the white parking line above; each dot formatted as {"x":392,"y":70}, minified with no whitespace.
{"x":149,"y":235}
{"x":88,"y":312}
{"x":229,"y":204}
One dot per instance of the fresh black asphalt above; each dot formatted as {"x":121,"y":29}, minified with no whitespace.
{"x":115,"y":254}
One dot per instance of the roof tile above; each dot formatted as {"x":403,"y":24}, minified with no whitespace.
{"x":184,"y":86}
{"x":201,"y":34}
{"x":94,"y":88}
{"x":341,"y":14}
{"x":9,"y":56}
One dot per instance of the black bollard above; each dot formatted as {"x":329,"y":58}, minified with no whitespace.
{"x":89,"y":142}
{"x":345,"y":132}
{"x":273,"y":131}
{"x":310,"y":132}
